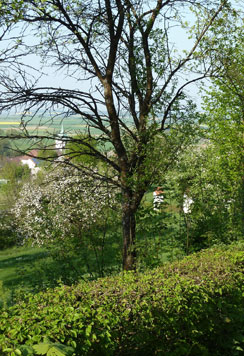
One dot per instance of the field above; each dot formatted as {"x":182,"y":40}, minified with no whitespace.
{"x":43,"y":125}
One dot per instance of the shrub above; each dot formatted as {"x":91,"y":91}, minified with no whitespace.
{"x":65,"y":203}
{"x":191,"y":307}
{"x":8,"y":236}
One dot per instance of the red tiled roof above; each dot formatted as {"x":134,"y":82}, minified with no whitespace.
{"x":33,"y":153}
{"x":18,"y":159}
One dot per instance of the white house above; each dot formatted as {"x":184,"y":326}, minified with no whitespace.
{"x":31,"y":161}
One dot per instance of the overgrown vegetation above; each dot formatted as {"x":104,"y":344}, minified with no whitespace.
{"x":89,"y":206}
{"x":191,"y":307}
{"x":130,"y":83}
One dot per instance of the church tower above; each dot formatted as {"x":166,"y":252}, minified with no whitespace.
{"x":60,"y":140}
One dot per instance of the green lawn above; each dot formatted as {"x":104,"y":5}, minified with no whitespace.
{"x":17,"y":272}
{"x":26,"y":269}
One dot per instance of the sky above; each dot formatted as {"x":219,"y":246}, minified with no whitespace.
{"x":59,"y":79}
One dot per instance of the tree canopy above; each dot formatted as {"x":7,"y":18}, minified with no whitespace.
{"x":130,"y":82}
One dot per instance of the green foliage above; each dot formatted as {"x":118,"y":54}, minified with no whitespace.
{"x":15,"y":172}
{"x":216,"y":214}
{"x":80,"y":150}
{"x":6,"y":148}
{"x":8,"y":235}
{"x":223,"y":117}
{"x":52,"y":349}
{"x":3,"y":295}
{"x":192,"y":307}
{"x":47,"y":155}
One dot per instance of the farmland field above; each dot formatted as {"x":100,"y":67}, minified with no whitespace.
{"x":43,"y":124}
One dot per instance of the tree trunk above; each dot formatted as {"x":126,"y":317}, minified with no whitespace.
{"x":242,"y":179}
{"x":129,"y":234}
{"x":242,"y":201}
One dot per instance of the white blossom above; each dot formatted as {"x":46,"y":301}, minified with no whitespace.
{"x":66,"y":203}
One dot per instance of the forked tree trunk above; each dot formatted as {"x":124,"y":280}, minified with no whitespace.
{"x":129,"y":235}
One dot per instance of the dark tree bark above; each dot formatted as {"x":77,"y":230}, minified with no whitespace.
{"x":129,"y":235}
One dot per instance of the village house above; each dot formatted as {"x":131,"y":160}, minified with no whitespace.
{"x":30,"y":160}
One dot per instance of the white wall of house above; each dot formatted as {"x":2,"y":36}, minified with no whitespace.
{"x":31,"y":164}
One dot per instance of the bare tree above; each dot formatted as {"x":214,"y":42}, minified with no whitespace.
{"x":121,"y":52}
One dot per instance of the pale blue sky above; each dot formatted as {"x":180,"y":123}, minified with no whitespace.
{"x":59,"y":79}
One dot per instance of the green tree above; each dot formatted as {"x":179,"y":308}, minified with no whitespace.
{"x":15,"y":175}
{"x":14,"y":172}
{"x":134,"y":82}
{"x":5,"y":146}
{"x":47,"y":154}
{"x":82,"y":150}
{"x":224,"y":113}
{"x":214,"y":215}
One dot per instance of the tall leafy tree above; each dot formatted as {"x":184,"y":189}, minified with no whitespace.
{"x":224,"y":111}
{"x":202,"y":177}
{"x":130,"y":83}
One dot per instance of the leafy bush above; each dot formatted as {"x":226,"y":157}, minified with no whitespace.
{"x":216,"y":213}
{"x":8,"y":235}
{"x":158,"y":237}
{"x":191,"y":307}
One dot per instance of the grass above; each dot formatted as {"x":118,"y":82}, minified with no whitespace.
{"x":26,"y":269}
{"x":13,"y":258}
{"x":16,"y":270}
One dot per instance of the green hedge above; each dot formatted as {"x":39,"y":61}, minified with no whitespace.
{"x":192,"y":307}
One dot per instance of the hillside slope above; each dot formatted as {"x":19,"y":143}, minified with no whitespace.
{"x":192,"y":307}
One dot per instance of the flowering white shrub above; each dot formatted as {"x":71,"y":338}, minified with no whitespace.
{"x":66,"y":203}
